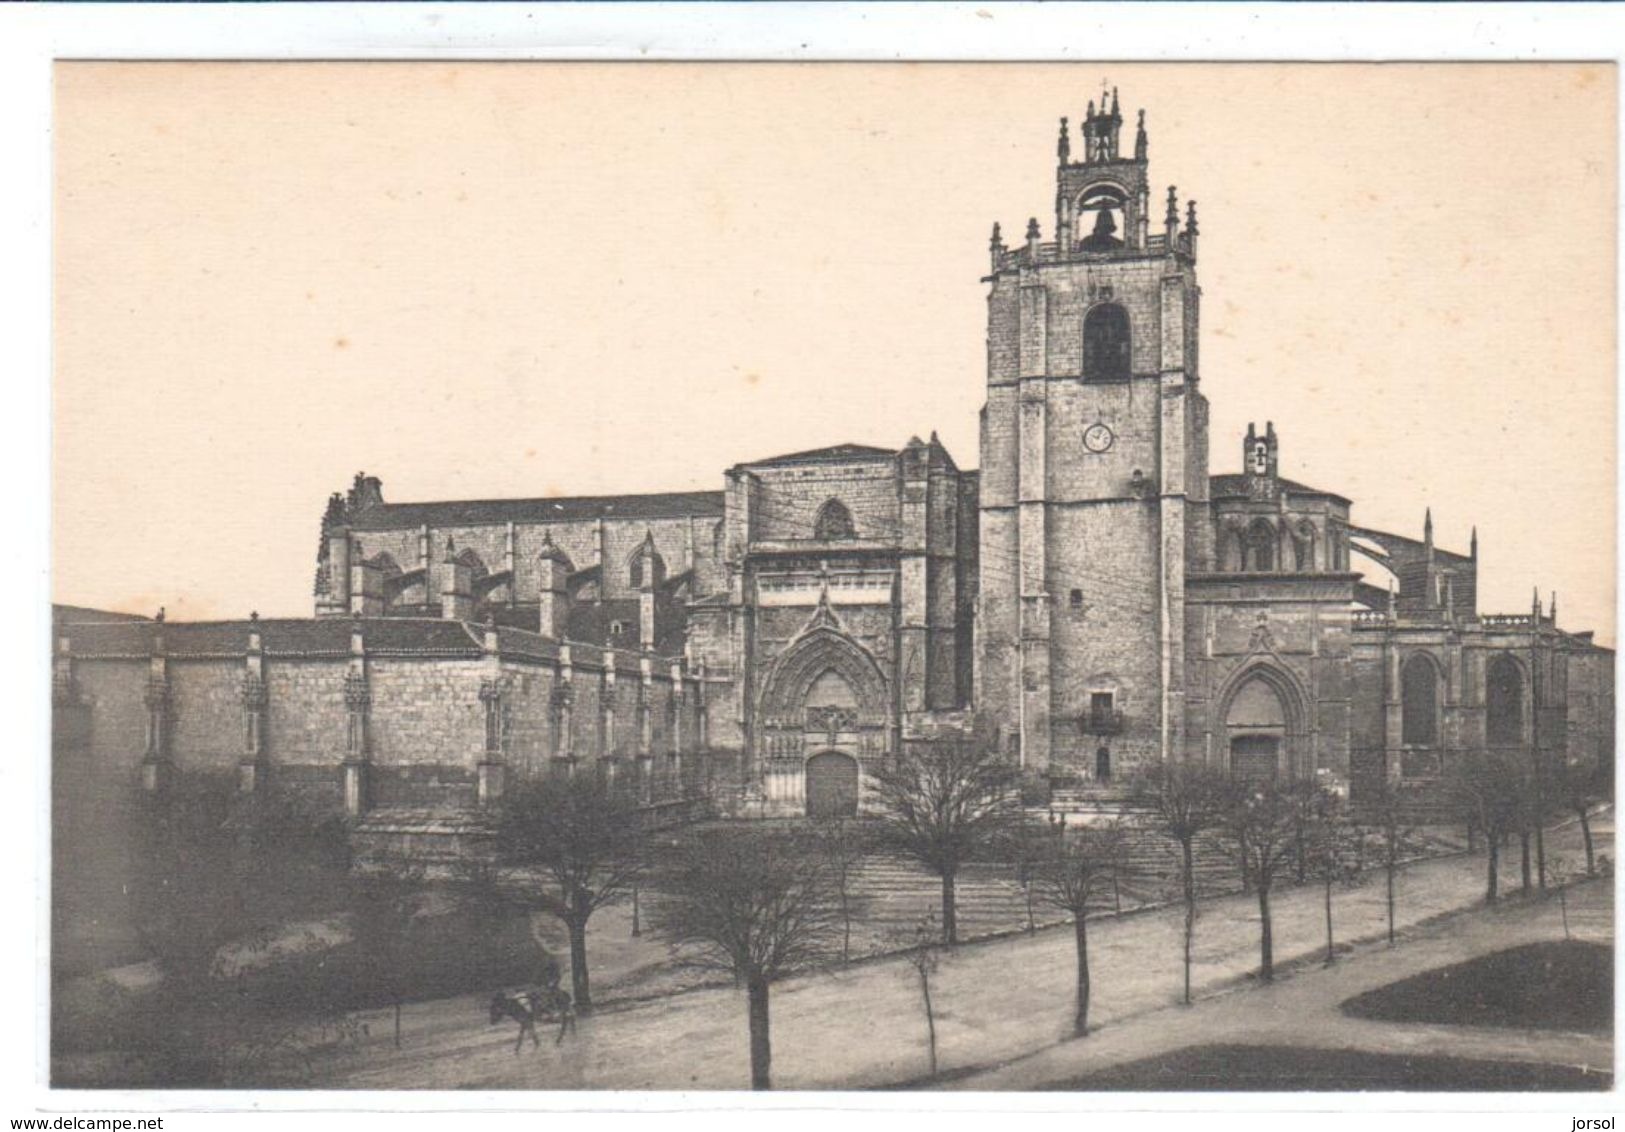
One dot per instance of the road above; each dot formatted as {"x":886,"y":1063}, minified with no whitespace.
{"x":996,"y":1002}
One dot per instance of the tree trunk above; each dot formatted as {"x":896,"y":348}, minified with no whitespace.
{"x":1390,"y":871}
{"x":1494,"y":881}
{"x":1585,"y":833}
{"x":930,"y":1019}
{"x":1523,"y":841}
{"x":950,"y":924}
{"x":846,"y":919}
{"x":397,"y":1023}
{"x":1540,"y":852}
{"x":1331,"y":952}
{"x":1563,"y":899}
{"x":577,"y":926}
{"x":1189,"y":879}
{"x":1266,"y":966}
{"x":761,"y":1047}
{"x":1080,"y":1018}
{"x":1246,"y":873}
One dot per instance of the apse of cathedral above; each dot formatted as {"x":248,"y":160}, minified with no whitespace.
{"x":1091,"y":600}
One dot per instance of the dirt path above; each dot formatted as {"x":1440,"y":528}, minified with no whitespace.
{"x":1301,"y":1010}
{"x":1000,"y":1000}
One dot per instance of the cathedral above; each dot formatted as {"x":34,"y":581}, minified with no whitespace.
{"x":1091,"y":598}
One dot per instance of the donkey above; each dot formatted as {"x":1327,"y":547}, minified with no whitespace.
{"x":526,"y":1006}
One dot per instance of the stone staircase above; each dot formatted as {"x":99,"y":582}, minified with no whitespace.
{"x":892,"y":893}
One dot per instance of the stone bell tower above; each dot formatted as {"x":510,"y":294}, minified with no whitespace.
{"x":1094,"y":467}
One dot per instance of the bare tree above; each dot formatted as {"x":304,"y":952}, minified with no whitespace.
{"x":1259,"y":819}
{"x":582,"y":835}
{"x":843,"y":843}
{"x":757,"y":905}
{"x":1332,"y":851}
{"x":1577,"y":786}
{"x":943,"y":801}
{"x":1562,"y":875}
{"x":1182,"y":801}
{"x":922,"y":955}
{"x":382,"y":908}
{"x":1486,"y":786}
{"x":1077,"y":873}
{"x":1385,"y":818}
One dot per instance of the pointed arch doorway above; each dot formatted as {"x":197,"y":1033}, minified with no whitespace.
{"x":1264,"y":726}
{"x":824,"y":716}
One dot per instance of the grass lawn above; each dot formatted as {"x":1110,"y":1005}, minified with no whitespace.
{"x":1556,"y":985}
{"x":1242,"y":1068}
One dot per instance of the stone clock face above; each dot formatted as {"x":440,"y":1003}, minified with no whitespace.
{"x":1097,"y":437}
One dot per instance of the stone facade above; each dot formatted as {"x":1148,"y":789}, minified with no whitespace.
{"x":371,"y":713}
{"x":1093,"y":599}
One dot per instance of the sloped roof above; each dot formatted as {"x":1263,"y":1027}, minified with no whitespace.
{"x":278,"y":637}
{"x":1231,"y":485}
{"x":81,"y":614}
{"x":834,"y":454}
{"x":474,"y":512}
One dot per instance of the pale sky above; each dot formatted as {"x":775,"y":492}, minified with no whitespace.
{"x":510,"y":279}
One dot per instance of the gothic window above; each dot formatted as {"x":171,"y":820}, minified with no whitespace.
{"x":1419,"y":702}
{"x":476,"y":567}
{"x":636,"y":571}
{"x":1303,"y":548}
{"x":834,"y":521}
{"x":1503,"y":701}
{"x":1260,"y":554}
{"x":1106,"y":343}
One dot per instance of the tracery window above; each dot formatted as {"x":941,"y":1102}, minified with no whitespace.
{"x":1419,"y":702}
{"x":1106,"y":343}
{"x":834,"y":521}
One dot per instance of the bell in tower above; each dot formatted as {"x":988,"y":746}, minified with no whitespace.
{"x":1103,"y":238}
{"x":1261,"y":454}
{"x":1094,"y":436}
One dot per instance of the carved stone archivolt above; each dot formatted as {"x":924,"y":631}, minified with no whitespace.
{"x":821,"y":649}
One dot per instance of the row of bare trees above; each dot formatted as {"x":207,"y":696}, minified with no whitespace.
{"x":762,"y":903}
{"x":1510,"y":793}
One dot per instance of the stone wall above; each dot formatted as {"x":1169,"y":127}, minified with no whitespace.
{"x":1295,"y":631}
{"x":684,"y":543}
{"x":426,"y":720}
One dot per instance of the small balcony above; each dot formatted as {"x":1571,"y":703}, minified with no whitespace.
{"x":1101,"y":721}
